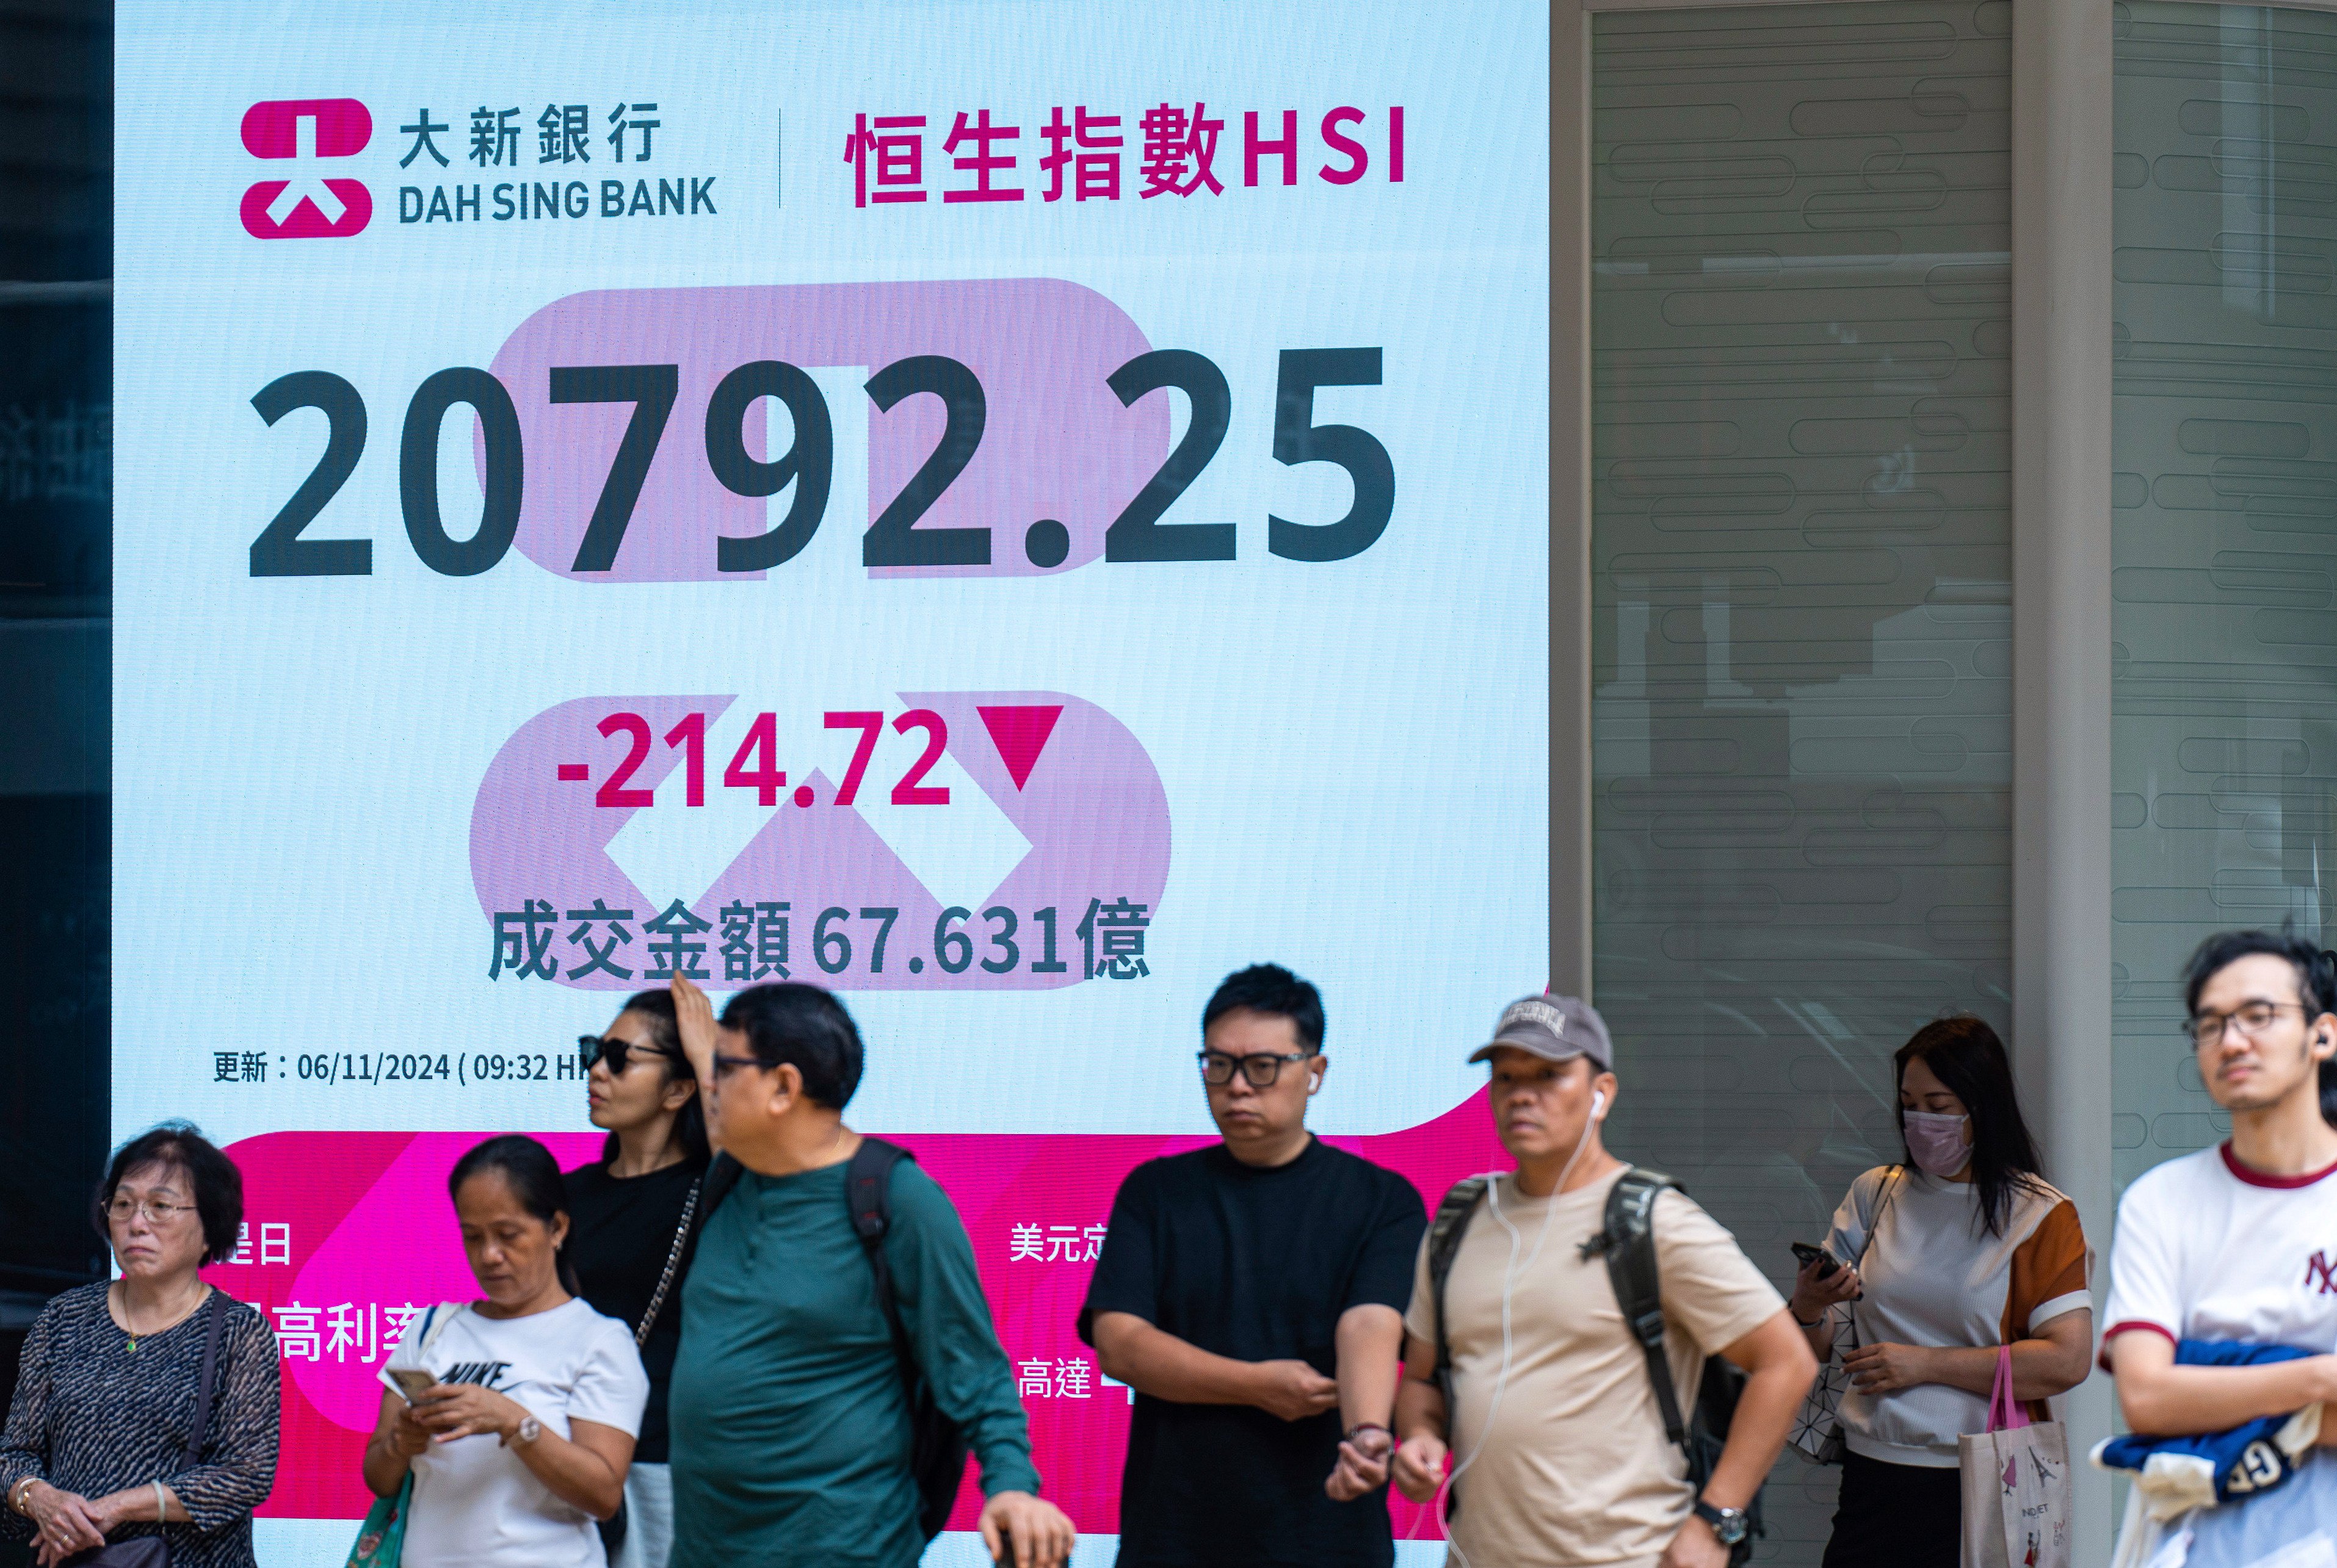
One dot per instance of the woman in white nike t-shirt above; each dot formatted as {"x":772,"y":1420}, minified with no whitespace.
{"x":1963,"y":1250}
{"x":524,"y":1439}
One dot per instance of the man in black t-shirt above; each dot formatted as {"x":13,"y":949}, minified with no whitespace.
{"x":1251,"y":1293}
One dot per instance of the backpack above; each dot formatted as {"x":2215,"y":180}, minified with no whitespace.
{"x":937,"y":1448}
{"x":1629,"y":1244}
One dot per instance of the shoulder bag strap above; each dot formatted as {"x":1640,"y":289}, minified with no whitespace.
{"x":716,"y":1184}
{"x":867,"y":1190}
{"x":672,"y":1262}
{"x":1445,"y":1233}
{"x":1891,"y":1185}
{"x":203,"y":1395}
{"x":1630,"y":1250}
{"x":1890,"y":1191}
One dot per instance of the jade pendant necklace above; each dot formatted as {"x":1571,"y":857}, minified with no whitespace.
{"x":129,"y":1333}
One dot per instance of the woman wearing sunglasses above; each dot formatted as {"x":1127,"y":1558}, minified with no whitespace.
{"x":634,"y":1213}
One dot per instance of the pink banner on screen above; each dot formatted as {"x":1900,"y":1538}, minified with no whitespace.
{"x":348,"y":1229}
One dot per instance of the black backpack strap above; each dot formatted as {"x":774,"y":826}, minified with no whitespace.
{"x":1629,"y":1244}
{"x":203,"y":1400}
{"x":720,"y":1177}
{"x":868,"y":1191}
{"x":1445,"y":1233}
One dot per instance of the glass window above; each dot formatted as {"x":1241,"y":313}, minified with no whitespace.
{"x":1802,"y":553}
{"x":2225,"y":533}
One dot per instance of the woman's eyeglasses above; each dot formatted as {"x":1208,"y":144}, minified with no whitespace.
{"x":614,"y":1051}
{"x":121,"y":1209}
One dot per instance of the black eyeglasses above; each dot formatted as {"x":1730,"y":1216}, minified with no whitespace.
{"x":2253,"y":1019}
{"x":1260,"y":1068}
{"x":725,"y":1066}
{"x":614,"y":1051}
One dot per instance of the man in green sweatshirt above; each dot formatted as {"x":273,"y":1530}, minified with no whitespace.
{"x":790,"y":1426}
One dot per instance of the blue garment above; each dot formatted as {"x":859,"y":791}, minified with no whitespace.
{"x":2245,"y":1460}
{"x":2284,"y":1520}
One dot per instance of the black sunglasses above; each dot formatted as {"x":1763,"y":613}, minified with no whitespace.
{"x":617,"y":1053}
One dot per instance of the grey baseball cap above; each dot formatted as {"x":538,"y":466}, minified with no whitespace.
{"x":1555,"y":1029}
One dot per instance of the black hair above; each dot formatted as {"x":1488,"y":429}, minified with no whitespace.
{"x":803,"y":1026}
{"x":1967,"y":1058}
{"x":2316,"y":982}
{"x":665,"y":1032}
{"x":1272,"y":989}
{"x":218,"y":1183}
{"x":533,"y":1176}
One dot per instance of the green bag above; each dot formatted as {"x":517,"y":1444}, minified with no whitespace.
{"x":382,"y":1536}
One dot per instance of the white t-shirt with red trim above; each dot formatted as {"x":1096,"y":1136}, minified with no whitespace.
{"x":2207,"y":1248}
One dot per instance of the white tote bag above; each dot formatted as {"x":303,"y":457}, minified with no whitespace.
{"x":2016,"y":1479}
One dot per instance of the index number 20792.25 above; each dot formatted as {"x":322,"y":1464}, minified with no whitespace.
{"x":893,"y":540}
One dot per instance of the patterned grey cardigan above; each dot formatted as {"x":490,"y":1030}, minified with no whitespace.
{"x":93,"y":1416}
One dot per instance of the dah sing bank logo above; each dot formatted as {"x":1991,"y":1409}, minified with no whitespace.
{"x":313,"y":204}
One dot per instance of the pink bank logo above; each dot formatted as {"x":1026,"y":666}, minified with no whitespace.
{"x":311,"y":205}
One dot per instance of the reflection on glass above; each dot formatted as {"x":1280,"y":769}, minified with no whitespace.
{"x":1801,"y":555}
{"x":2225,"y":533}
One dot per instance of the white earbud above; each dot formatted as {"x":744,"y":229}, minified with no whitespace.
{"x":1597,"y":1102}
{"x":1314,"y":1086}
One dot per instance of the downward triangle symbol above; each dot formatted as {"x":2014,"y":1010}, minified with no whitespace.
{"x":1020,"y":733}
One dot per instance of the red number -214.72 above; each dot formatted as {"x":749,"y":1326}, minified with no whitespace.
{"x":755,"y":765}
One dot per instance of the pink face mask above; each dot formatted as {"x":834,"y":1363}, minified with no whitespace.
{"x":1937,"y":1142}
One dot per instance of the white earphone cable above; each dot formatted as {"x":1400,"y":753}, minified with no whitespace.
{"x":1508,"y":1284}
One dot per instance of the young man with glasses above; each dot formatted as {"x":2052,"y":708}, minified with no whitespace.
{"x":1252,"y":1293}
{"x":2237,"y":1243}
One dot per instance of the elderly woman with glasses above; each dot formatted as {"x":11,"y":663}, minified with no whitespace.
{"x":634,"y":1212}
{"x":108,"y":1436}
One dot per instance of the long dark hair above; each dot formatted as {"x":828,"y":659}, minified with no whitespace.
{"x":533,"y":1176}
{"x":1965,"y":1054}
{"x":2316,"y":982}
{"x":665,"y":1033}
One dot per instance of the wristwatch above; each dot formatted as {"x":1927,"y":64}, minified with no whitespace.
{"x":530,"y":1429}
{"x":1729,"y":1525}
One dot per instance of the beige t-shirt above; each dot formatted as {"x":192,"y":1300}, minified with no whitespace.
{"x":1574,"y":1467}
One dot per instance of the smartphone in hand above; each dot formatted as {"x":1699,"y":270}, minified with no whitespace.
{"x":407,"y":1383}
{"x":1806,"y":1254}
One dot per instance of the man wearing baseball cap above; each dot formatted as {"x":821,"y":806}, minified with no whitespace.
{"x":1557,"y":1445}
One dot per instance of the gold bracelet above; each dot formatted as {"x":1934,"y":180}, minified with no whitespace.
{"x":22,"y":1490}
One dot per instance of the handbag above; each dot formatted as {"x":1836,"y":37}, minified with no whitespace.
{"x":153,"y":1551}
{"x":1817,"y":1426}
{"x":613,"y":1528}
{"x":2017,"y":1489}
{"x":382,"y":1537}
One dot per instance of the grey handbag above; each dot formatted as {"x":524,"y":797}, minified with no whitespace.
{"x":1817,"y":1426}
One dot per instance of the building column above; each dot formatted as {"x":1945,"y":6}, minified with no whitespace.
{"x":2061,"y":323}
{"x":1569,"y":498}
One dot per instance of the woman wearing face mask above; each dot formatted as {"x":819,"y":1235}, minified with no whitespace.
{"x":1963,"y":1250}
{"x":636,"y":1218}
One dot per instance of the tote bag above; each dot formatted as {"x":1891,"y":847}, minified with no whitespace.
{"x":381,"y":1539}
{"x":2016,"y":1485}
